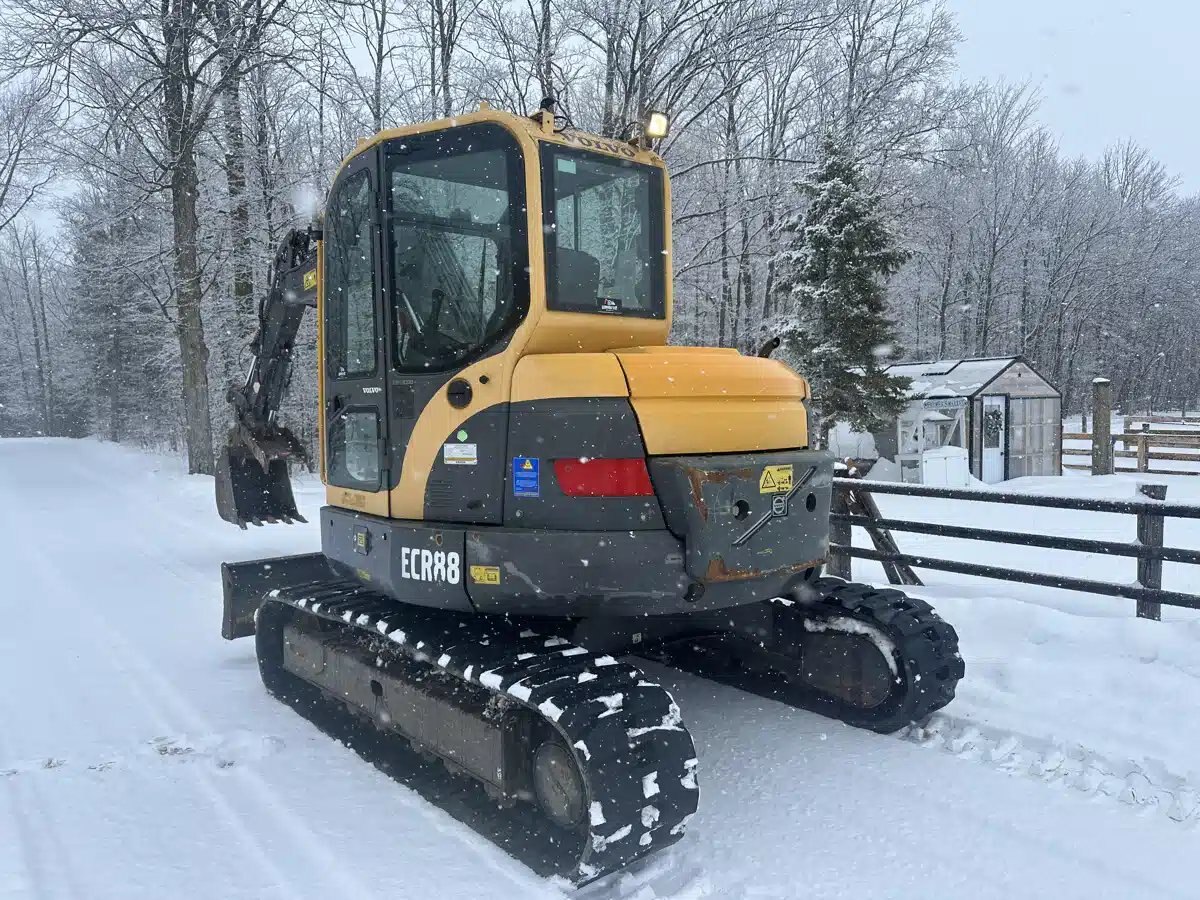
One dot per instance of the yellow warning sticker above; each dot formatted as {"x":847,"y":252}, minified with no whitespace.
{"x":310,"y":279}
{"x":485,"y":574}
{"x":775,"y":480}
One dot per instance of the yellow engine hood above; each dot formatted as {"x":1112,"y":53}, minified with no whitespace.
{"x":696,"y":400}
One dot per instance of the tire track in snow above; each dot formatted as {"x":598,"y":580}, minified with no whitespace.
{"x":524,"y":882}
{"x":44,"y":858}
{"x":1147,"y":786}
{"x":220,"y":751}
{"x":122,"y":654}
{"x":169,"y":706}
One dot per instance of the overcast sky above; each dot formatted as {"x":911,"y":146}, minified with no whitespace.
{"x":1106,"y":69}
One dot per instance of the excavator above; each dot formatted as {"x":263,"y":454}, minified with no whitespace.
{"x":526,"y":487}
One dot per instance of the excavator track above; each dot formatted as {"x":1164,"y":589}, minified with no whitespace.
{"x":872,"y":657}
{"x":634,"y":757}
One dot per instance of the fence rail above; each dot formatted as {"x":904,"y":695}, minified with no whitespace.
{"x":1144,"y":441}
{"x":1164,"y":420}
{"x":1148,"y":549}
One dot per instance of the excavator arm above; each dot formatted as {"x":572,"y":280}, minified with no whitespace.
{"x":253,"y":486}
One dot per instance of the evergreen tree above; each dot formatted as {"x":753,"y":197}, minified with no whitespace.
{"x":832,"y":324}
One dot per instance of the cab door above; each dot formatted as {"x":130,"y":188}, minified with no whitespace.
{"x":458,"y":285}
{"x":354,"y":322}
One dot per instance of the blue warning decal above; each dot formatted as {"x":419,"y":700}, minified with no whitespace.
{"x":525,"y":479}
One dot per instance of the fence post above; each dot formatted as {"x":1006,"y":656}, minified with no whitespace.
{"x":839,"y":536}
{"x":1150,"y":534}
{"x":1102,"y":445}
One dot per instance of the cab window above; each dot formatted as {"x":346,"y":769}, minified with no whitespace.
{"x":457,"y":238}
{"x":350,"y":279}
{"x":604,"y":234}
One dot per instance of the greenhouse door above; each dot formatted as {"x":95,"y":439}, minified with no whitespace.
{"x":995,"y":434}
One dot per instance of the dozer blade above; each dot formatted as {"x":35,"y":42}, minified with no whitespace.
{"x":248,"y":494}
{"x":245,"y":584}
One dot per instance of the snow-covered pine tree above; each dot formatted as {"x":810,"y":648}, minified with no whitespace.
{"x":832,"y":322}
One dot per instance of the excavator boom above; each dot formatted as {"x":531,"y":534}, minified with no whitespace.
{"x":253,"y":485}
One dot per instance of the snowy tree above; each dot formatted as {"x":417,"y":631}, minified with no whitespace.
{"x":163,"y":67}
{"x":831,"y":266}
{"x":152,"y":277}
{"x":26,"y":125}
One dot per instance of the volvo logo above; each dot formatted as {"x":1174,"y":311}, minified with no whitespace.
{"x":594,"y":143}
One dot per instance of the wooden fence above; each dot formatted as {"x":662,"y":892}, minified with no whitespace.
{"x":849,"y":509}
{"x":1141,"y":446}
{"x":1103,"y":452}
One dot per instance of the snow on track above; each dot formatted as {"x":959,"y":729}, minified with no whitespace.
{"x":140,"y":757}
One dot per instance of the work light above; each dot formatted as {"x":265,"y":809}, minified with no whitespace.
{"x":657,"y":125}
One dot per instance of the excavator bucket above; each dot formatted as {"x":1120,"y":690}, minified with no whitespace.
{"x":249,"y":494}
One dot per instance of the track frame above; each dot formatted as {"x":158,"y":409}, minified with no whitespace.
{"x":626,"y":733}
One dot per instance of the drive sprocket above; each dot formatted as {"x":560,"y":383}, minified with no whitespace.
{"x":872,"y":657}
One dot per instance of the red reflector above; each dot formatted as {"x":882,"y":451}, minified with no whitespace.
{"x":603,"y":477}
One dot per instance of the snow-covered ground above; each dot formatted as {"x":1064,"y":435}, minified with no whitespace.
{"x":140,"y":758}
{"x":1072,"y":683}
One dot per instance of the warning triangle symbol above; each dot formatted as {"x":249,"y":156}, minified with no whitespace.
{"x":527,"y":465}
{"x":768,"y":481}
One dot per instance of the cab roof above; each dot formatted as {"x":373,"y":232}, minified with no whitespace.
{"x":539,"y":127}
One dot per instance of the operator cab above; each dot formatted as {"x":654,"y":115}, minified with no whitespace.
{"x":454,"y":218}
{"x":427,"y":267}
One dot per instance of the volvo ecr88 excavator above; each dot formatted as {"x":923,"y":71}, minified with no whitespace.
{"x":526,"y":484}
